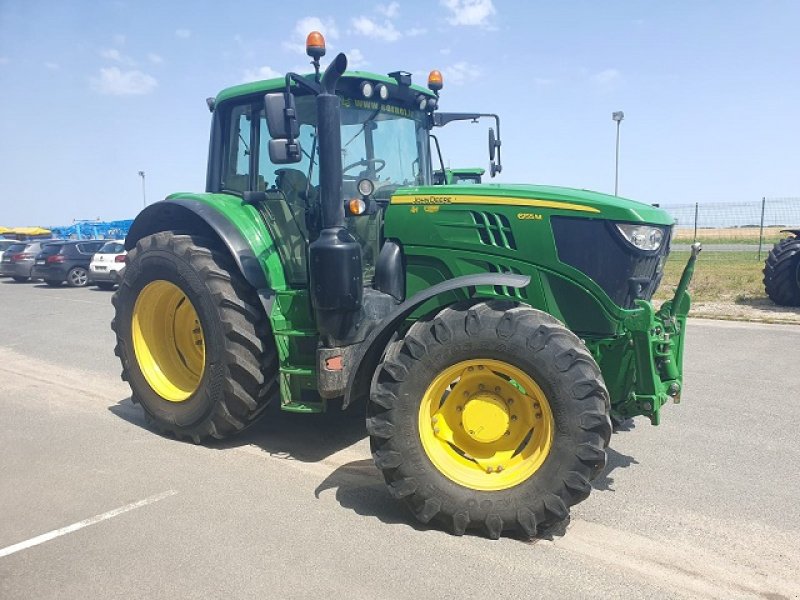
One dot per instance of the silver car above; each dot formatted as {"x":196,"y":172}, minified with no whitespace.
{"x":17,"y":261}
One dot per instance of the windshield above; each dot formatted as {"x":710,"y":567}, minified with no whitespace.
{"x":384,"y":142}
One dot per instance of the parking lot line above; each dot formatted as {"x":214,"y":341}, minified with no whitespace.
{"x":50,"y":535}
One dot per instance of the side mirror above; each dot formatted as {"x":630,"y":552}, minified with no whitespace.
{"x":281,"y":115}
{"x":283,"y":152}
{"x":493,"y":144}
{"x":494,"y":150}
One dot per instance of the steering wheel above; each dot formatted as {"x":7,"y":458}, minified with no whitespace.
{"x":378,"y":163}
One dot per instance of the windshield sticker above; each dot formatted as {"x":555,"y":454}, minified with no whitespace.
{"x":379,"y":106}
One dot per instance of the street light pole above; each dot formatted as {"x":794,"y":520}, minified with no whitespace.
{"x":144,"y":198}
{"x":617,"y":116}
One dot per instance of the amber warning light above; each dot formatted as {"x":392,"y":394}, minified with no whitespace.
{"x":315,"y":45}
{"x":435,"y":81}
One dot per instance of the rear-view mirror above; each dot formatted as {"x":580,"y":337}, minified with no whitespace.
{"x":281,"y":115}
{"x":282,"y":151}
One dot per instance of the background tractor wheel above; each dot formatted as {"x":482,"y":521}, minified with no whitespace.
{"x":192,"y":337}
{"x":105,"y":285}
{"x":491,"y":416}
{"x":782,"y":272}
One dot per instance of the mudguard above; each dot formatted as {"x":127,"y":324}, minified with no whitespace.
{"x":193,"y":215}
{"x":371,"y":351}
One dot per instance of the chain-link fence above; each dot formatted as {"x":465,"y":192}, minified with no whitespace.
{"x":731,"y":226}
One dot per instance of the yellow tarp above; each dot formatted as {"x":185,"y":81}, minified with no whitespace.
{"x":30,"y":231}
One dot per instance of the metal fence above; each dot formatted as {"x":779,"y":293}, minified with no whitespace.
{"x":749,"y":226}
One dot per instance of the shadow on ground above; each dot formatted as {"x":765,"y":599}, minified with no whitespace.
{"x":307,"y":438}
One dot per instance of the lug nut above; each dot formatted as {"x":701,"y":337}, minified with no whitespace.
{"x":497,"y":389}
{"x":481,"y":387}
{"x":459,"y":408}
{"x":470,"y":368}
{"x":466,"y":394}
{"x":435,"y":420}
{"x":507,"y":433}
{"x":499,"y":468}
{"x":488,"y":469}
{"x":513,"y":417}
{"x":480,"y":367}
{"x":436,"y":430}
{"x":510,"y":401}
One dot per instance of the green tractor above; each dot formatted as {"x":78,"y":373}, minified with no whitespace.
{"x":465,"y":176}
{"x":489,"y":332}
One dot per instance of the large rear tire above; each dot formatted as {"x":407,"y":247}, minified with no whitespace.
{"x":194,"y":342}
{"x":782,"y":272}
{"x":490,"y":416}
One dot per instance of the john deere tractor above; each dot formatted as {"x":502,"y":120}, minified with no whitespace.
{"x":489,"y":332}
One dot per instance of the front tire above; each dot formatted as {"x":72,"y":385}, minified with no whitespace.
{"x":782,"y":272}
{"x":105,"y":285}
{"x":20,"y":279}
{"x":193,"y":340}
{"x":490,"y":416}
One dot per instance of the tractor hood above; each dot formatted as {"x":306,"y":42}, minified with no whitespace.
{"x":577,"y":202}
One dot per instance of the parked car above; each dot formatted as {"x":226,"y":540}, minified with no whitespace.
{"x":66,"y":261}
{"x":107,"y":263}
{"x":18,"y":259}
{"x":5,"y":244}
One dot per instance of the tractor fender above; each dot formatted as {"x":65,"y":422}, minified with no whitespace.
{"x":795,"y":232}
{"x":371,"y":351}
{"x":195,"y":216}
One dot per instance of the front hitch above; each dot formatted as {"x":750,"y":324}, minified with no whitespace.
{"x":681,"y":291}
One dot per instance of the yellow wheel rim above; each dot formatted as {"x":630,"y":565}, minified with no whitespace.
{"x":485,"y":424}
{"x":168,"y":340}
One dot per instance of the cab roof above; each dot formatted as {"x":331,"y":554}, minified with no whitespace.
{"x":278,"y":83}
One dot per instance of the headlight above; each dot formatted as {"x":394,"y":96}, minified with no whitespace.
{"x":643,"y":237}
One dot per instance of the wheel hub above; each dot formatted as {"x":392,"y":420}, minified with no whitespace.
{"x":485,"y":417}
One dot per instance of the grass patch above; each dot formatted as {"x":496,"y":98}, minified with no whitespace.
{"x":718,"y":277}
{"x":729,"y":235}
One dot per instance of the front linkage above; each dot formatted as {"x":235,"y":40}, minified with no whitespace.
{"x":643,"y":368}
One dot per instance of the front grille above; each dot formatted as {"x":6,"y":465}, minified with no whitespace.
{"x":596,"y":248}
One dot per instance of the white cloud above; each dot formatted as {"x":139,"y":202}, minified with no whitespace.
{"x":183,"y":33}
{"x":115,"y":55}
{"x":114,"y":82}
{"x":607,"y":77}
{"x":154,"y":58}
{"x":355,"y":60}
{"x":259,"y":73}
{"x":445,"y":51}
{"x":53,"y":66}
{"x":469,"y":12}
{"x":372,"y":29}
{"x":415,"y":31}
{"x":297,"y":42}
{"x":460,"y":73}
{"x":390,"y":11}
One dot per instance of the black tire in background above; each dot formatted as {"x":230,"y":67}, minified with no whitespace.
{"x":53,"y":282}
{"x":241,"y":370}
{"x":105,"y":285}
{"x":20,"y":279}
{"x":782,"y":272}
{"x":77,"y":277}
{"x":527,"y":339}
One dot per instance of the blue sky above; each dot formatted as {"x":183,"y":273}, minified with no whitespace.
{"x":93,"y":92}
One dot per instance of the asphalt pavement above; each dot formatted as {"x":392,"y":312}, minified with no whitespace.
{"x":94,"y":505}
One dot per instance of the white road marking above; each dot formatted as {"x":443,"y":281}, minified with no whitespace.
{"x":51,"y":535}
